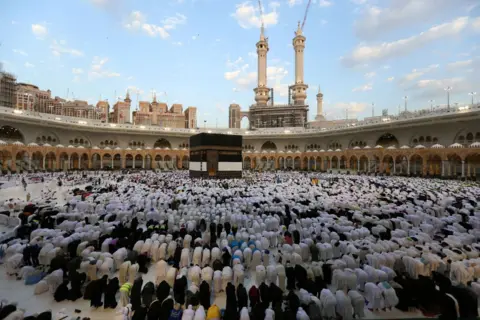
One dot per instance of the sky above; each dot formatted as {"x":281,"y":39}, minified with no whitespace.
{"x":202,"y":52}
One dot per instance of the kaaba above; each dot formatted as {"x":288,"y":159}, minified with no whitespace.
{"x":215,"y":155}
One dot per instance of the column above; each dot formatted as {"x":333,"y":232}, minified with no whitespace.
{"x":29,"y":163}
{"x":408,"y":166}
{"x":443,"y":168}
{"x":101,"y":162}
{"x":112,"y":162}
{"x":369,"y":166}
{"x":358,"y":165}
{"x":124,"y":161}
{"x":68,"y":164}
{"x":143,"y":163}
{"x":308,"y":164}
{"x":463,"y":168}
{"x":44,"y":162}
{"x":394,"y":167}
{"x":338,"y":164}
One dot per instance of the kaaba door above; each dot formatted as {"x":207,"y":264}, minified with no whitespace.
{"x":212,"y":162}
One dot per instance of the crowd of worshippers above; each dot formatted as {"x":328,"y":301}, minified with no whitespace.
{"x":309,"y":251}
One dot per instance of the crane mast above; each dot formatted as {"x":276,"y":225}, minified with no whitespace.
{"x":306,"y":14}
{"x":261,"y":15}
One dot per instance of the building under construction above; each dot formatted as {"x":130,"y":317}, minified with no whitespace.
{"x":7,"y":89}
{"x":265,"y":113}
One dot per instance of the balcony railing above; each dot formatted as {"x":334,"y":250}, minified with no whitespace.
{"x":93,"y":123}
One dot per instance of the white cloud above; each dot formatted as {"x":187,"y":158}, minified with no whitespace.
{"x":460,"y":64}
{"x":29,"y":65}
{"x":370,"y":75}
{"x":130,"y":78}
{"x":365,"y":87}
{"x":138,"y":21}
{"x":390,"y":79}
{"x":375,"y":20}
{"x":39,"y":30}
{"x":133,"y":90}
{"x":386,"y":67}
{"x":229,"y":75}
{"x":417,"y":73}
{"x":476,"y":24}
{"x":292,"y":3}
{"x":97,"y":69}
{"x":248,"y":16}
{"x":59,"y":48}
{"x":359,"y":2}
{"x":178,"y":43}
{"x":353,"y":107}
{"x":364,"y":53}
{"x":323,"y":22}
{"x":20,"y":52}
{"x":77,"y":71}
{"x":14,"y":22}
{"x":325,"y":3}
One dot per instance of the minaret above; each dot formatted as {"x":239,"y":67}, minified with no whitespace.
{"x":299,"y":88}
{"x":319,"y":105}
{"x":127,"y":98}
{"x":261,"y":91}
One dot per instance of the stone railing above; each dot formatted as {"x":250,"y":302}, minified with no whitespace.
{"x":83,"y":122}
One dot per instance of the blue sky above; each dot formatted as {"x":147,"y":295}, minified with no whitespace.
{"x":202,"y":52}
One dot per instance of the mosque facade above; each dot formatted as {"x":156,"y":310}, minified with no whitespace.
{"x":439,"y":144}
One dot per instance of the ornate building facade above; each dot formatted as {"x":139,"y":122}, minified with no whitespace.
{"x":445,"y":144}
{"x":158,"y":114}
{"x":265,"y":113}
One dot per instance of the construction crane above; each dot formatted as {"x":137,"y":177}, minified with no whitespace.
{"x":306,"y":13}
{"x":261,"y":15}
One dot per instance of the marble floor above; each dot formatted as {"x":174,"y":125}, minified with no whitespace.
{"x":16,"y":291}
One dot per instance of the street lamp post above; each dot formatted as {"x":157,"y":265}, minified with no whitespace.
{"x":448,"y":89}
{"x":406,"y":102}
{"x":473,"y":95}
{"x":431,"y":104}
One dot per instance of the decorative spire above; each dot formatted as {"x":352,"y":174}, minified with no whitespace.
{"x":299,"y":30}
{"x":262,"y":33}
{"x":154,"y":97}
{"x":319,"y":90}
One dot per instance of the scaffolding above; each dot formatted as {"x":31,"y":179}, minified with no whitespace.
{"x":7,"y":89}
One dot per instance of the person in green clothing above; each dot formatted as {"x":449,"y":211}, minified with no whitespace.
{"x":125,"y":294}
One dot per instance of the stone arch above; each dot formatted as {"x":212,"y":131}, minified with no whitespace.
{"x":128,"y":161}
{"x":63,"y":161}
{"x":185,"y":162}
{"x":96,"y":161}
{"x":387,"y":140}
{"x":74,"y":161}
{"x":343,"y":162}
{"x":401,"y":164}
{"x":454,"y":165}
{"x":6,"y":160}
{"x":289,"y":163}
{"x":297,"y":165}
{"x":281,"y":163}
{"x":312,"y":164}
{"x":158,"y":160}
{"x":472,"y":169}
{"x":37,"y":160}
{"x":271,"y":163}
{"x":80,"y":141}
{"x":107,"y":161}
{"x":162,"y":143}
{"x":363,"y":163}
{"x":117,"y":161}
{"x":263,"y":163}
{"x":84,"y":163}
{"x":353,"y":163}
{"x":247,"y":163}
{"x":50,"y":161}
{"x":22,"y":161}
{"x":138,"y":161}
{"x":387,"y":164}
{"x":269,"y":146}
{"x":434,"y":165}
{"x":148,"y":162}
{"x":318,"y":163}
{"x":335,"y":163}
{"x":11,"y":134}
{"x":416,"y":165}
{"x":49,"y":137}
